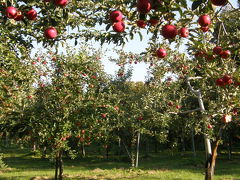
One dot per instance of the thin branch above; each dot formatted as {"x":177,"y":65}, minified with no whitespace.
{"x":196,"y":92}
{"x":224,"y":29}
{"x":231,"y":5}
{"x":219,"y":32}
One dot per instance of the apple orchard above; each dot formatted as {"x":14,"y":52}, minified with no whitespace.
{"x":63,"y":102}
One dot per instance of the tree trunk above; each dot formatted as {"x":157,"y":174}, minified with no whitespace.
{"x":56,"y":165}
{"x":128,"y":153}
{"x":229,"y":148}
{"x":155,"y":145}
{"x":34,"y":146}
{"x":147,"y":148}
{"x":83,"y":151}
{"x":44,"y":152}
{"x":183,"y":144}
{"x":107,"y":151}
{"x":210,"y":164}
{"x":138,"y":143}
{"x":119,"y":148}
{"x":60,"y":166}
{"x":193,"y":144}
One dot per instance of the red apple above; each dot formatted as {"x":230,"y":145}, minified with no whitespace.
{"x":143,"y":6}
{"x":78,"y":124}
{"x":227,"y":79}
{"x":116,"y":16}
{"x":209,"y":126}
{"x":104,"y":115}
{"x":235,"y":112}
{"x":227,"y":118}
{"x":204,"y":28}
{"x":204,"y":20}
{"x":169,"y":31}
{"x":83,"y":131}
{"x":140,"y":118}
{"x":209,"y":57}
{"x":19,"y":16}
{"x":141,"y":23}
{"x":50,"y":33}
{"x":120,"y":74}
{"x":220,"y":82}
{"x":170,"y":104}
{"x":153,"y":22}
{"x":219,"y":2}
{"x":33,"y":63}
{"x":31,"y":14}
{"x":119,"y":26}
{"x":183,"y":32}
{"x":178,"y":107}
{"x":217,"y":50}
{"x":161,"y":53}
{"x":61,"y":2}
{"x":116,"y":108}
{"x":225,"y":54}
{"x":11,"y":12}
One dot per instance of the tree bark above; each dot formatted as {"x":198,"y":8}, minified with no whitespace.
{"x":56,"y":165}
{"x":210,"y":164}
{"x":83,"y":151}
{"x":60,"y":166}
{"x":34,"y":146}
{"x":193,"y":144}
{"x":138,"y":143}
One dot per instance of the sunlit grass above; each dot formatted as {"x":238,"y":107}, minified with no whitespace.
{"x":23,"y":165}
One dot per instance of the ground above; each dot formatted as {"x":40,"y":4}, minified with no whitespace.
{"x":24,"y":165}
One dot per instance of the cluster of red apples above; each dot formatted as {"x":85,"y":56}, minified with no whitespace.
{"x":13,"y":13}
{"x":226,"y":80}
{"x":116,"y":18}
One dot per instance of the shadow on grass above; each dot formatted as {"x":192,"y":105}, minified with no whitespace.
{"x":24,"y":161}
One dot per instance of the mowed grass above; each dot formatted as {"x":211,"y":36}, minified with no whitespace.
{"x":23,"y":165}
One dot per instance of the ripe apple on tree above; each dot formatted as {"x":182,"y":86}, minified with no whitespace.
{"x":19,"y":16}
{"x":31,"y":14}
{"x":161,"y":53}
{"x":116,"y":16}
{"x":227,"y":118}
{"x":219,"y":2}
{"x":183,"y":32}
{"x":11,"y":12}
{"x":204,"y":20}
{"x":143,"y":6}
{"x":225,"y":54}
{"x":50,"y":33}
{"x":141,"y":23}
{"x":169,"y":31}
{"x":119,"y":26}
{"x":217,"y":50}
{"x":60,"y":2}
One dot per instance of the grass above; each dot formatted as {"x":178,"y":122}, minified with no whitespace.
{"x":23,"y":165}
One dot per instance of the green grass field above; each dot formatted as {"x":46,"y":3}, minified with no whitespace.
{"x":23,"y":165}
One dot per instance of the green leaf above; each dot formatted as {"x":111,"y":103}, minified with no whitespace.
{"x":196,"y":4}
{"x":108,"y":26}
